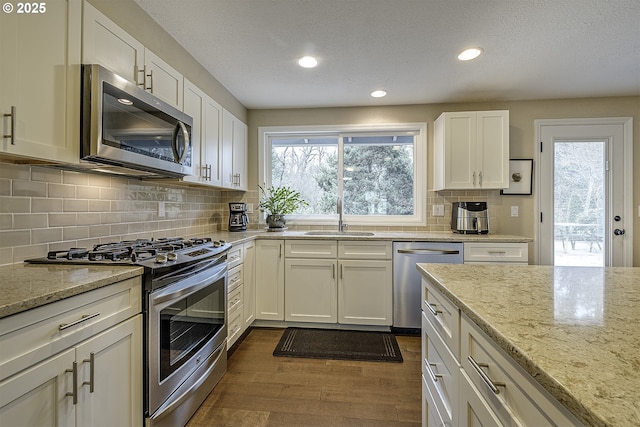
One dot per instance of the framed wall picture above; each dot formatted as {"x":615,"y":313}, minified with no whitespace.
{"x":520,"y":177}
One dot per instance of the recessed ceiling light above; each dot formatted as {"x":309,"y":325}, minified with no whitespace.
{"x":308,"y":62}
{"x":469,"y":54}
{"x":125,"y":101}
{"x":379,"y":93}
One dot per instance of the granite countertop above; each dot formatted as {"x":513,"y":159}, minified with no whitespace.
{"x":26,"y":286}
{"x":377,"y":235}
{"x":575,"y":329}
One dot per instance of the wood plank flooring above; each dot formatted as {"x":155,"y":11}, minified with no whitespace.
{"x":260,"y":390}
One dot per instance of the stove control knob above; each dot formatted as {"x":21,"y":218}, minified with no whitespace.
{"x":222,"y":242}
{"x":172,"y":256}
{"x":216,"y":244}
{"x":161,"y":259}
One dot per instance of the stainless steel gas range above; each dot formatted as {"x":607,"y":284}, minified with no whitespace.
{"x":184,"y":307}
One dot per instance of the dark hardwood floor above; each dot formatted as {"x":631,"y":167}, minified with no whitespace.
{"x":262,"y":390}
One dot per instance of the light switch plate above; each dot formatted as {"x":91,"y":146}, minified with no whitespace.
{"x":249,"y":207}
{"x":438,"y":210}
{"x":514,"y":211}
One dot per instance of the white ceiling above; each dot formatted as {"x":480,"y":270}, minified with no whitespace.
{"x":533,"y":49}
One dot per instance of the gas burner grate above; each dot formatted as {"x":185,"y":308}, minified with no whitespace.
{"x":72,"y":253}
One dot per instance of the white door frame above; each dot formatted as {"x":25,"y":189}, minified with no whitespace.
{"x":627,"y":123}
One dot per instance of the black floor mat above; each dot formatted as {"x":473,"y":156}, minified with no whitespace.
{"x":339,"y":344}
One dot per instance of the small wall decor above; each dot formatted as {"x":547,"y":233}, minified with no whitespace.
{"x":520,"y":177}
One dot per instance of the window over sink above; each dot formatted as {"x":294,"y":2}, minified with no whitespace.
{"x":379,"y":171}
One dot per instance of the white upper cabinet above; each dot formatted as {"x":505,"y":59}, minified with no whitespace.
{"x":205,"y":135}
{"x":105,"y":43}
{"x":471,"y":150}
{"x":234,"y":152}
{"x":40,"y":82}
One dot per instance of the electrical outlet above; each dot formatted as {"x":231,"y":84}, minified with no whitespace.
{"x":514,"y":211}
{"x":161,"y":212}
{"x":249,"y":207}
{"x":438,"y":210}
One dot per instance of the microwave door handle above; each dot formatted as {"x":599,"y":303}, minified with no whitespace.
{"x":180,"y":127}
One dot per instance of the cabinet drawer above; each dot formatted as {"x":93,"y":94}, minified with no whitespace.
{"x":234,"y":299}
{"x":311,"y":249}
{"x":496,"y":252}
{"x":443,"y":316}
{"x":440,"y":371}
{"x":365,"y":250}
{"x":235,"y":256}
{"x":520,"y":400}
{"x":430,"y":415}
{"x":31,"y":336}
{"x":235,"y":327}
{"x":236,"y":278}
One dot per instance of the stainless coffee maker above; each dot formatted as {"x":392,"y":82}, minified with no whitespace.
{"x":469,"y":218}
{"x":238,"y":218}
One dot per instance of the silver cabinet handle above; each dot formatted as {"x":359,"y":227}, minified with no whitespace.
{"x":74,"y":392}
{"x":480,"y":178}
{"x":432,"y":309}
{"x":150,"y":75}
{"x":12,"y":135}
{"x":493,"y":386}
{"x":84,"y":318}
{"x":333,"y":271}
{"x":280,"y":253}
{"x":474,"y":178}
{"x":432,"y":374}
{"x":429,"y":251}
{"x":91,"y":361}
{"x":138,"y":79}
{"x":498,"y":252}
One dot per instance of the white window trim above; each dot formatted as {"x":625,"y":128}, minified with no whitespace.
{"x":420,"y":167}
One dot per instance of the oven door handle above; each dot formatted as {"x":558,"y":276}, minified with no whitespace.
{"x":176,"y":291}
{"x":171,"y":406}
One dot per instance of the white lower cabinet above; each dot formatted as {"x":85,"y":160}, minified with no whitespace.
{"x":346,"y":282}
{"x":241,"y":290}
{"x":269,"y":280}
{"x":496,"y":253}
{"x":84,"y":373}
{"x":249,"y":295}
{"x":469,"y":381}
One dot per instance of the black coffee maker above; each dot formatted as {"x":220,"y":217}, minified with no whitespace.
{"x":238,"y":218}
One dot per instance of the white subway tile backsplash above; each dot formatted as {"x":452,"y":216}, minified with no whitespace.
{"x":20,"y":253}
{"x":6,"y":221}
{"x":5,"y":187}
{"x":62,"y":219}
{"x":46,"y":205}
{"x":28,"y":221}
{"x":28,"y":188}
{"x":14,"y":204}
{"x":83,"y":192}
{"x":64,"y":191}
{"x":11,"y":171}
{"x":75,"y":205}
{"x":45,"y":174}
{"x":99,"y":205}
{"x":75,"y":233}
{"x":99,"y":230}
{"x":15,"y":238}
{"x":77,"y":178}
{"x":46,"y":235}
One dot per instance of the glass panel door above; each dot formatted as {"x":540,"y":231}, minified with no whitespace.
{"x":579,"y":203}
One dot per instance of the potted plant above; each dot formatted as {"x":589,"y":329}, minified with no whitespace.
{"x":277,"y":202}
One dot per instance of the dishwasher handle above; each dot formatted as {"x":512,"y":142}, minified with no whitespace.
{"x":429,"y":251}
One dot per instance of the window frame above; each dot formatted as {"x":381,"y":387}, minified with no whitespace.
{"x":340,"y":131}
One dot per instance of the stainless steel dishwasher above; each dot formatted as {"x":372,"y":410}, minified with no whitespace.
{"x":407,"y":279}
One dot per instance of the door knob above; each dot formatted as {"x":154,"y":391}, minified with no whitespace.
{"x":618,"y":232}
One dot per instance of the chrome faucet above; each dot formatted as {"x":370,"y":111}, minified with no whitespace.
{"x":341,"y":225}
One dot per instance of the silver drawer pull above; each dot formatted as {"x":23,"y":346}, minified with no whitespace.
{"x":498,"y":252}
{"x":74,"y":392}
{"x":432,"y":374}
{"x":12,"y":135}
{"x":92,"y":361}
{"x":84,"y":318}
{"x":488,"y":381}
{"x":433,"y":310}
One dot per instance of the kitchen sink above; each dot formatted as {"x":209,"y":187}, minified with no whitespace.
{"x":339,"y":233}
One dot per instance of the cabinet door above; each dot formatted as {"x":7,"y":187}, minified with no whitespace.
{"x":474,"y":411}
{"x":226,"y":149}
{"x":194,"y":105}
{"x":459,"y":140}
{"x":240,"y":154}
{"x":38,"y":396}
{"x":249,"y":268}
{"x":493,"y":149}
{"x":365,"y":292}
{"x":39,"y":73}
{"x":116,"y":399}
{"x":162,"y":80}
{"x":105,"y":43}
{"x":310,"y":290}
{"x":270,"y":279}
{"x":211,"y":141}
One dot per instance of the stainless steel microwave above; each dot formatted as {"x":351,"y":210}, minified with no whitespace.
{"x":127,"y":130}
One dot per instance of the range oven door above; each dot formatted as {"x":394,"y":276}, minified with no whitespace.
{"x":186,"y":337}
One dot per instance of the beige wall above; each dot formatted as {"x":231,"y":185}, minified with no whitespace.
{"x":522,"y":144}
